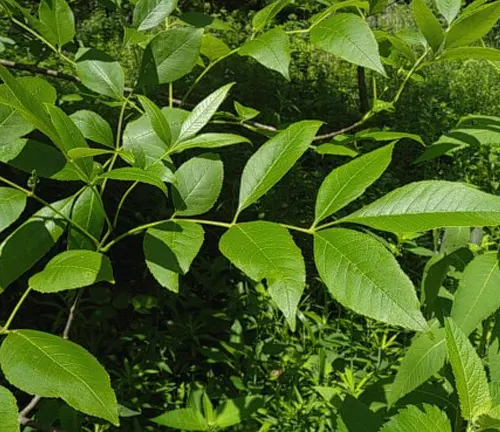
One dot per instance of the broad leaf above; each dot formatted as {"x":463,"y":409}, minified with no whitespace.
{"x":471,"y":53}
{"x":100,"y":73}
{"x":12,"y":204}
{"x":213,"y":48}
{"x":428,"y":24}
{"x":170,"y":55}
{"x":427,"y":205}
{"x":208,"y":141}
{"x":274,"y":159}
{"x":264,"y":250}
{"x":470,"y":377}
{"x":93,"y":127}
{"x":186,"y":419}
{"x":272,"y":50}
{"x":49,"y":366}
{"x":9,"y":413}
{"x":413,"y":419}
{"x":264,"y":16}
{"x":133,"y":174}
{"x":349,"y":37}
{"x":12,"y":126}
{"x":362,"y":274}
{"x":449,"y":9}
{"x":349,"y":181}
{"x":58,"y":19}
{"x":199,"y":182}
{"x":150,"y":13}
{"x":234,"y":411}
{"x":157,"y":119}
{"x":170,"y":249}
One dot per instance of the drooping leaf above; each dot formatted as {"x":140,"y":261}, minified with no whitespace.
{"x":362,"y":274}
{"x":234,"y":411}
{"x":272,"y":50}
{"x":387,"y":136}
{"x":187,"y":419}
{"x":264,"y":250}
{"x":470,"y":377}
{"x":471,"y":53}
{"x":264,"y":16}
{"x":348,"y":182}
{"x":426,"y":205}
{"x":274,"y":159}
{"x":49,"y":366}
{"x":349,"y":37}
{"x":199,"y":182}
{"x":150,"y":13}
{"x":149,"y":176}
{"x":100,"y":73}
{"x":428,"y":24}
{"x":208,"y":141}
{"x":170,"y":249}
{"x":449,"y":9}
{"x":12,"y":204}
{"x":412,"y":419}
{"x":9,"y":413}
{"x":58,"y":19}
{"x":213,"y":48}
{"x":157,"y":119}
{"x":93,"y":127}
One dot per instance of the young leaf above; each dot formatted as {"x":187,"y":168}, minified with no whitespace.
{"x":93,"y":127}
{"x":349,"y":181}
{"x":234,"y":411}
{"x":426,"y":205}
{"x":470,"y":53}
{"x":213,"y":48}
{"x":186,"y":419}
{"x":49,"y":366}
{"x":9,"y":413}
{"x":264,"y":250}
{"x":245,"y":113}
{"x":470,"y":376}
{"x":428,"y":24}
{"x":58,"y":18}
{"x":349,"y":37}
{"x":412,"y":419}
{"x":449,"y":9}
{"x":274,"y":159}
{"x":208,"y":141}
{"x":264,"y":16}
{"x":100,"y":73}
{"x":12,"y":204}
{"x":203,"y":112}
{"x":170,"y":55}
{"x":272,"y":50}
{"x":170,"y":249}
{"x":133,"y":174}
{"x":150,"y":13}
{"x":157,"y":119}
{"x":362,"y":274}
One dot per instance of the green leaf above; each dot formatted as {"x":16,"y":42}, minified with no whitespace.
{"x":349,"y":181}
{"x":93,"y":127}
{"x":88,"y":212}
{"x":470,"y":377}
{"x":9,"y":413}
{"x":49,"y":366}
{"x":272,"y":50}
{"x":203,"y":112}
{"x":245,"y":113}
{"x":57,"y":17}
{"x":100,"y":73}
{"x":477,"y":295}
{"x":349,"y":37}
{"x":133,"y":174}
{"x":471,"y":53}
{"x":449,"y":9}
{"x":186,"y":419}
{"x":234,"y":411}
{"x":274,"y":159}
{"x":473,"y":26}
{"x":85,"y":152}
{"x":264,"y":16}
{"x":170,"y":55}
{"x":40,"y":232}
{"x":208,"y":141}
{"x":12,"y":125}
{"x":150,"y":13}
{"x":412,"y":419}
{"x":264,"y":250}
{"x":199,"y":182}
{"x":170,"y":249}
{"x":12,"y":205}
{"x":157,"y":119}
{"x":428,"y":24}
{"x":362,"y":274}
{"x":72,"y":270}
{"x":387,"y":136}
{"x":336,"y":150}
{"x":213,"y":48}
{"x":426,"y":205}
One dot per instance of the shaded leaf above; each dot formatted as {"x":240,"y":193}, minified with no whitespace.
{"x":12,"y":204}
{"x":234,"y":411}
{"x":336,"y":150}
{"x":428,"y":24}
{"x":474,"y":53}
{"x":213,"y":48}
{"x":264,"y":16}
{"x":9,"y":413}
{"x":187,"y":419}
{"x":93,"y":127}
{"x":150,"y":13}
{"x":133,"y":174}
{"x":413,"y":419}
{"x":157,"y":119}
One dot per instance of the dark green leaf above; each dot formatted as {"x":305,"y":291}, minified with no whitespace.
{"x":264,"y":16}
{"x":93,"y":127}
{"x":57,"y":17}
{"x":234,"y":411}
{"x":157,"y":119}
{"x":187,"y":419}
{"x":413,"y":419}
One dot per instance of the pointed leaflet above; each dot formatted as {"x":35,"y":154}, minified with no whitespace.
{"x":272,"y":50}
{"x":203,"y":112}
{"x":213,"y":48}
{"x":150,"y":13}
{"x":85,"y":152}
{"x":387,"y":136}
{"x":40,"y":232}
{"x":428,"y":24}
{"x":170,"y":55}
{"x":449,"y":9}
{"x":427,"y":205}
{"x":471,"y":53}
{"x":57,"y":17}
{"x":245,"y":113}
{"x":264,"y":250}
{"x":349,"y":37}
{"x":186,"y":419}
{"x":336,"y":150}
{"x":199,"y":182}
{"x":413,"y":419}
{"x":262,"y":17}
{"x":170,"y":249}
{"x":9,"y":413}
{"x":274,"y":159}
{"x":49,"y":366}
{"x":349,"y":181}
{"x":157,"y":119}
{"x":93,"y":127}
{"x":209,"y":140}
{"x":470,"y":377}
{"x":12,"y":204}
{"x":149,"y":176}
{"x":361,"y":274}
{"x":100,"y":73}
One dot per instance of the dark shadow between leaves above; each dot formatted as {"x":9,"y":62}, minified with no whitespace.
{"x":357,"y":417}
{"x":157,"y":252}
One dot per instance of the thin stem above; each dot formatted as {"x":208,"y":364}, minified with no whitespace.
{"x":299,"y":229}
{"x":409,"y":75}
{"x":171,"y":95}
{"x":327,"y":225}
{"x":122,"y":201}
{"x":5,"y":328}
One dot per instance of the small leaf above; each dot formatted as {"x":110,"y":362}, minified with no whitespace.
{"x":336,"y":150}
{"x":387,"y":136}
{"x":245,"y":113}
{"x":264,"y":16}
{"x":170,"y":249}
{"x":428,"y":24}
{"x":272,"y":50}
{"x":186,"y":419}
{"x":199,"y":182}
{"x":412,"y":419}
{"x":49,"y":366}
{"x":157,"y":119}
{"x":12,"y":204}
{"x":449,"y":9}
{"x":361,"y":274}
{"x":57,"y":17}
{"x":209,"y":141}
{"x":150,"y":13}
{"x":471,"y":53}
{"x":349,"y":37}
{"x":213,"y":48}
{"x":93,"y":127}
{"x":470,"y":376}
{"x":234,"y":411}
{"x":82,"y":152}
{"x":148,"y":176}
{"x":9,"y":413}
